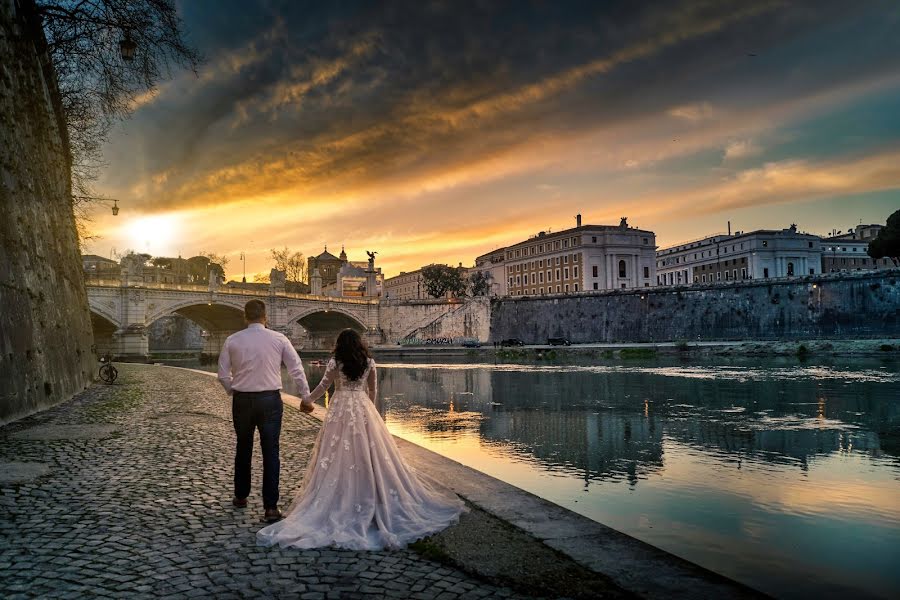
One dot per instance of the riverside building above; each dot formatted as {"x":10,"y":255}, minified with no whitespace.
{"x":405,"y":286}
{"x":848,"y":251}
{"x":761,"y":254}
{"x":494,"y":266}
{"x":583,"y":258}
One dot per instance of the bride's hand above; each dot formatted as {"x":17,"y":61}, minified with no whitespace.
{"x":306,"y":406}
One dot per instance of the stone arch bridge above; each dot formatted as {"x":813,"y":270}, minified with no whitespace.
{"x":122,"y":313}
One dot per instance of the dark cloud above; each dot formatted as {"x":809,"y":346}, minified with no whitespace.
{"x":318,"y":96}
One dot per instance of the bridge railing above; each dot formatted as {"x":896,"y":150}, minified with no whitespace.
{"x":205,"y":289}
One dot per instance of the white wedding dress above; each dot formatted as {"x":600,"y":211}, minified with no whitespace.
{"x":358,"y":493}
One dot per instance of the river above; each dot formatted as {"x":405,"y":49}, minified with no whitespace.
{"x":782,"y":474}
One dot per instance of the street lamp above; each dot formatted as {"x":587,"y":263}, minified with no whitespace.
{"x":127,"y":46}
{"x":244,"y":258}
{"x":115,"y":208}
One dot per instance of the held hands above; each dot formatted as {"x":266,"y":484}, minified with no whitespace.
{"x":306,"y":405}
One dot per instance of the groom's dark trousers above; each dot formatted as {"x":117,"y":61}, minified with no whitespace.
{"x":263,"y":411}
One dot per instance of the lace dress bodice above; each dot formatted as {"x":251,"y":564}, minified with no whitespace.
{"x":368,"y":382}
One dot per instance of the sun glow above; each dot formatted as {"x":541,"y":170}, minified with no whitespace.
{"x":154,"y":235}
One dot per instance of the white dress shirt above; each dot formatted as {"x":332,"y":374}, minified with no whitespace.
{"x":251,"y":359}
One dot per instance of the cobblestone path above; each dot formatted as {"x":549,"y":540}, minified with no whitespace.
{"x":125,"y":491}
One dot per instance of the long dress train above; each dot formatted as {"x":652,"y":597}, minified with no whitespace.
{"x":358,"y":493}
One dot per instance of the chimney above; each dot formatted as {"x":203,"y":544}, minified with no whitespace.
{"x":729,"y":227}
{"x":578,"y":220}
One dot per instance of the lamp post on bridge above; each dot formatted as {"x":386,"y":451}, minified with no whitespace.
{"x":244,"y":258}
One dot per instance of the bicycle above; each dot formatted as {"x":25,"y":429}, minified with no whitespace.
{"x":108,"y":372}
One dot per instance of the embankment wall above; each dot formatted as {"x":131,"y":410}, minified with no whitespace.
{"x":849,"y":305}
{"x":45,"y":328}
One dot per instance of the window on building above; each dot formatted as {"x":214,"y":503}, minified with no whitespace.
{"x":734,"y":274}
{"x":517,"y":253}
{"x":525,"y":279}
{"x":575,"y":272}
{"x":541,"y":277}
{"x":565,"y":245}
{"x":790,"y":269}
{"x":593,"y":239}
{"x":557,"y":289}
{"x":812,"y":271}
{"x":594,"y":271}
{"x":646,"y":272}
{"x":727,"y":275}
{"x":766,"y":273}
{"x":542,"y":291}
{"x":718,"y":275}
{"x":557,"y":260}
{"x":744,"y":273}
{"x":765,"y":243}
{"x":703,"y":278}
{"x":567,"y":288}
{"x":596,"y":286}
{"x":623,"y":271}
{"x":566,"y":259}
{"x":557,"y":275}
{"x":566,"y":273}
{"x":810,"y":244}
{"x":623,"y":286}
{"x":549,"y":276}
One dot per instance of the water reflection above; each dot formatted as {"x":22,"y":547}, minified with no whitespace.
{"x":782,"y":477}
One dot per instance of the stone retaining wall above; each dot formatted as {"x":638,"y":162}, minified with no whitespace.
{"x":45,"y":327}
{"x":863,"y":305}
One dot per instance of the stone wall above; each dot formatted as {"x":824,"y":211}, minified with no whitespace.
{"x":471,"y":320}
{"x":398,"y":319}
{"x":45,"y":328}
{"x":864,"y":304}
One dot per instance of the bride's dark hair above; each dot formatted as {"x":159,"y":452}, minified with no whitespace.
{"x":351,"y":352}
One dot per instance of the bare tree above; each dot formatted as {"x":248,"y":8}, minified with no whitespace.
{"x":107,"y":54}
{"x":292,"y":263}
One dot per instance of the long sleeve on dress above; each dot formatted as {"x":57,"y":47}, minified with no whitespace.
{"x":372,"y":381}
{"x":331,"y":371}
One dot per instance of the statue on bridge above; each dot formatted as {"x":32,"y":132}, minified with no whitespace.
{"x":277,"y":279}
{"x":371,"y":259}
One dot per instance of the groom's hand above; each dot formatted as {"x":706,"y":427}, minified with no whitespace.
{"x":306,"y":406}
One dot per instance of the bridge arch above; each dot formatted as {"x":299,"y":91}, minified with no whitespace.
{"x":206,"y":313}
{"x":316,"y":318}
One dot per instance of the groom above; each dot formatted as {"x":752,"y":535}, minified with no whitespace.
{"x":250,"y":370}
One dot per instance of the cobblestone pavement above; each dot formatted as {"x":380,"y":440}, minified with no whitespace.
{"x":125,"y":491}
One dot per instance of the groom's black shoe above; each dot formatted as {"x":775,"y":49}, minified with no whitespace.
{"x":239,"y":502}
{"x":273,"y":515}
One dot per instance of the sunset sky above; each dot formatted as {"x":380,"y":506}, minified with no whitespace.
{"x":436,"y":131}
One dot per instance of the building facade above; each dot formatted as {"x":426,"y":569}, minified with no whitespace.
{"x":328,"y":265}
{"x":848,"y":251}
{"x":405,"y":286}
{"x":583,"y":258}
{"x":761,"y":254}
{"x":98,"y":267}
{"x":493,"y":265}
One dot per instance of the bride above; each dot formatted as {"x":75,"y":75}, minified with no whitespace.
{"x":358,"y":493}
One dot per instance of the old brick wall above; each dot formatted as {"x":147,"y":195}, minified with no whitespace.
{"x":45,"y":326}
{"x":864,"y":304}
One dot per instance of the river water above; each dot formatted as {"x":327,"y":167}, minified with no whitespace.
{"x":784,"y":475}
